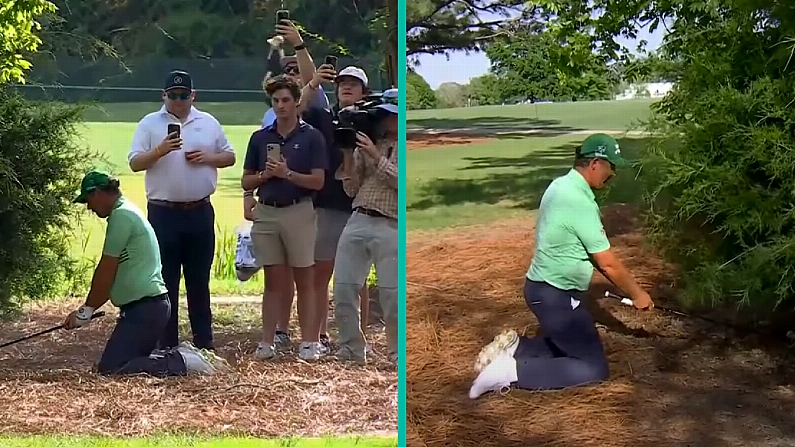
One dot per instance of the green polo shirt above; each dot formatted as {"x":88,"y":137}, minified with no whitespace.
{"x":130,"y":238}
{"x":568,"y":229}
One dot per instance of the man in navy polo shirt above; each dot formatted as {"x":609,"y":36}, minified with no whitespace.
{"x":285,"y":162}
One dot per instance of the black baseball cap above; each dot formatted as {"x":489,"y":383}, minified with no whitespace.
{"x":178,"y":79}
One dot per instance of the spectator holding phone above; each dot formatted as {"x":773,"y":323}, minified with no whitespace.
{"x":285,"y":163}
{"x":181,"y":174}
{"x":369,"y":176}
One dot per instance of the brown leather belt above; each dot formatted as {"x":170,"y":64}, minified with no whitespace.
{"x":371,"y":213}
{"x":180,"y":205}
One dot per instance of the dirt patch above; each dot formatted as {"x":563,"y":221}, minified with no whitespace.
{"x":46,"y":387}
{"x":674,"y":381}
{"x":425,"y":140}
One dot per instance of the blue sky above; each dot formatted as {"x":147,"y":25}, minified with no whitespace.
{"x":460,"y":67}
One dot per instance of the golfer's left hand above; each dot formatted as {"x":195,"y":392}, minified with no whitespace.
{"x":76,"y":319}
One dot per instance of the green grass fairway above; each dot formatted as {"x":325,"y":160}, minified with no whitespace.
{"x":228,"y":113}
{"x":483,"y":182}
{"x":586,"y":115}
{"x":176,"y":441}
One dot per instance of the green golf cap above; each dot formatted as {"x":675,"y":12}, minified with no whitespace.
{"x":602,"y":146}
{"x":92,"y":181}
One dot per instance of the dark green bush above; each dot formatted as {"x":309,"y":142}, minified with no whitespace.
{"x":41,"y":166}
{"x":721,"y":168}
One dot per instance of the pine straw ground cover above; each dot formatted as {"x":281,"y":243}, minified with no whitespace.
{"x":47,"y":387}
{"x":675,"y":381}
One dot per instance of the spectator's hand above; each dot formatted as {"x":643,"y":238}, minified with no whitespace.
{"x":266,"y":174}
{"x":278,"y":168}
{"x":248,"y":208}
{"x":169,"y":144}
{"x":366,"y":145}
{"x":197,"y":157}
{"x":289,"y":32}
{"x":643,"y":301}
{"x":324,"y":74}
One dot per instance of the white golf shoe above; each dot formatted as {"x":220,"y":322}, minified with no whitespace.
{"x":499,"y":374}
{"x":201,"y":361}
{"x":506,"y":341}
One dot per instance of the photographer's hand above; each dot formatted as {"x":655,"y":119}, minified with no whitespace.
{"x":366,"y":145}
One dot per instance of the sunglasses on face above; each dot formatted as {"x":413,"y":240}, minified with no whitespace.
{"x":181,"y":96}
{"x":291,"y":70}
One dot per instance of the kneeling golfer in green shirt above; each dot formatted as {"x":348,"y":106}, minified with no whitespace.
{"x":570,"y":241}
{"x":128,"y":274}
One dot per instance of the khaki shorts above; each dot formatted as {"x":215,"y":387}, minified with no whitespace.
{"x":285,"y":236}
{"x":330,"y":224}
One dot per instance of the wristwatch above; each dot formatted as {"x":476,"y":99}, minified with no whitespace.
{"x":289,"y":174}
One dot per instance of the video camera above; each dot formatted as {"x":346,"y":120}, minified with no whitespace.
{"x":363,"y":116}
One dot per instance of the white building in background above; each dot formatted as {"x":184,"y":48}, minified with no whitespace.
{"x":646,"y":90}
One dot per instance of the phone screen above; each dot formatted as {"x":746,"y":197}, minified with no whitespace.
{"x":173,"y":128}
{"x":331,"y":60}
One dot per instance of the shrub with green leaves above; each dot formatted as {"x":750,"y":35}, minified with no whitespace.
{"x":40,"y":167}
{"x":721,"y":169}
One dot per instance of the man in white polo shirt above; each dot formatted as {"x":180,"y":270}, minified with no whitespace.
{"x":181,"y":175}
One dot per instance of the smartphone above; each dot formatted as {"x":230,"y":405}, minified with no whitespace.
{"x":331,"y":60}
{"x":282,"y":14}
{"x":274,"y":151}
{"x":174,"y":127}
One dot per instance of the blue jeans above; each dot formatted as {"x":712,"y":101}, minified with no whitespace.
{"x":568,"y":351}
{"x":138,"y":329}
{"x":187,"y":244}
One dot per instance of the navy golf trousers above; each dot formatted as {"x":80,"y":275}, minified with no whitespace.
{"x":130,"y":347}
{"x":568,"y":351}
{"x":187,"y":245}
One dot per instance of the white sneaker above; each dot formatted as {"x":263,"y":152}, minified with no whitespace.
{"x":496,"y":376}
{"x":264,"y":352}
{"x":311,"y":351}
{"x":507,"y":340}
{"x":201,"y":361}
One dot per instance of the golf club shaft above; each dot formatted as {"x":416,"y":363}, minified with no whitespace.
{"x":46,"y":331}
{"x":628,"y":302}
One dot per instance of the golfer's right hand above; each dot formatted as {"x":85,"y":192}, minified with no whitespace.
{"x":643,"y":301}
{"x":171,"y":143}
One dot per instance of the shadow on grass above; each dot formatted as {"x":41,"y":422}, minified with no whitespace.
{"x":524,"y":186}
{"x":492,"y":124}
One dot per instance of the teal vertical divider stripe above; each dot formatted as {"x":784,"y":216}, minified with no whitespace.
{"x":402,"y":223}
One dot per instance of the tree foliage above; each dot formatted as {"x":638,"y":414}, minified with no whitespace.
{"x":40,"y":167}
{"x":721,"y":167}
{"x":419,"y":94}
{"x":440,"y":26}
{"x":18,"y":27}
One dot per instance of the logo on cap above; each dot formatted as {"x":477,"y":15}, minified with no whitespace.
{"x":178,"y":79}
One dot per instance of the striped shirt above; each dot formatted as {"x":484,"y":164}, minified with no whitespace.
{"x":373,"y":184}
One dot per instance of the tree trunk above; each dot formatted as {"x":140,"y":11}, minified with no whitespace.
{"x":392,"y":43}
